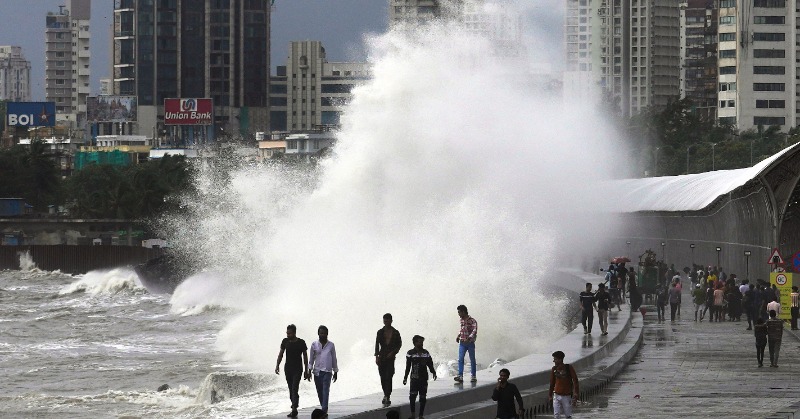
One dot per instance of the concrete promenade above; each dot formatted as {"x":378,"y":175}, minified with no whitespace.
{"x":692,"y":370}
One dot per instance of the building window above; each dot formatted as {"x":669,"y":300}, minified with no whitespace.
{"x":769,"y":36}
{"x":769,"y":3}
{"x":727,"y":36}
{"x":727,"y":87}
{"x":769,"y":69}
{"x":769,"y":53}
{"x":768,"y":120}
{"x":769,"y":20}
{"x":769,"y":87}
{"x":771,"y":104}
{"x":727,"y":3}
{"x":727,"y":20}
{"x":727,"y":53}
{"x":731,"y":69}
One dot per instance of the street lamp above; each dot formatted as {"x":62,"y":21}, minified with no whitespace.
{"x":663,"y":252}
{"x":747,"y":254}
{"x":719,"y":249}
{"x":687,"y":157}
{"x":655,"y":169}
{"x":629,"y":248}
{"x":691,"y":246}
{"x":713,"y":158}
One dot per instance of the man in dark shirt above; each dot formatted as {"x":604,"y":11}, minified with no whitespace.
{"x":418,"y":362}
{"x":587,"y":309}
{"x":387,"y":345}
{"x":293,"y":369}
{"x":504,"y":394}
{"x":774,"y":336}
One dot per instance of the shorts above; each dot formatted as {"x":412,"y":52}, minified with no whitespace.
{"x":418,"y":387}
{"x":562,"y":405}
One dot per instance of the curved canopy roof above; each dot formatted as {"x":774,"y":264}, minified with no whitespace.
{"x":691,"y":192}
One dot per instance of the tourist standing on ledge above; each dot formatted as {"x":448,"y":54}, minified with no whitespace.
{"x":774,"y":336}
{"x":564,"y":389}
{"x":795,"y":296}
{"x":466,"y":343}
{"x":293,"y":369}
{"x":603,"y":302}
{"x":505,"y":393}
{"x":387,"y":345}
{"x":323,"y":363}
{"x":587,"y":309}
{"x":418,"y":362}
{"x":760,"y":332}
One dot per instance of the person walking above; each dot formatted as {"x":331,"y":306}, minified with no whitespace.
{"x":564,"y":386}
{"x":774,"y":336}
{"x":750,"y":302}
{"x":466,"y":343}
{"x":387,"y":344}
{"x":293,"y":369}
{"x":418,"y":362}
{"x":661,"y":301}
{"x":588,"y":307}
{"x":709,"y":301}
{"x":699,"y":299}
{"x":674,"y":300}
{"x":795,"y":300}
{"x":719,"y":303}
{"x":603,"y":299}
{"x":760,"y":331}
{"x":323,"y":365}
{"x":504,"y":394}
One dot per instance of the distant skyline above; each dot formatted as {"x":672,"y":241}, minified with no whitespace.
{"x":340,"y":25}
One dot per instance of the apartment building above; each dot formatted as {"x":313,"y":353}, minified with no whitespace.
{"x":15,"y":75}
{"x":699,"y":55}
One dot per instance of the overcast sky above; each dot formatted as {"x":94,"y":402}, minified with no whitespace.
{"x":339,"y":24}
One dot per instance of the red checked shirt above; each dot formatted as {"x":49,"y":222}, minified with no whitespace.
{"x":469,"y":330}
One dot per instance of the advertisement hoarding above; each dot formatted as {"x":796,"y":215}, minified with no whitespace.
{"x":111,"y":109}
{"x":31,"y":114}
{"x":188,"y":111}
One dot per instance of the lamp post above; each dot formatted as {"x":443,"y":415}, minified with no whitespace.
{"x":687,"y":157}
{"x":747,"y":254}
{"x":751,"y":151}
{"x":713,"y":158}
{"x":719,"y":249}
{"x":691,"y":246}
{"x":655,"y":169}
{"x":663,"y":251}
{"x":629,"y":248}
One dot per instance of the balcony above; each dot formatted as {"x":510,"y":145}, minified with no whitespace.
{"x":84,"y":54}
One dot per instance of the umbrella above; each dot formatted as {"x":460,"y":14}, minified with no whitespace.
{"x":620,"y":259}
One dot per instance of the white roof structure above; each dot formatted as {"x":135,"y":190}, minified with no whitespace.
{"x":691,"y":192}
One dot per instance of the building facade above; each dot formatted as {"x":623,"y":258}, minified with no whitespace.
{"x":758,"y":66}
{"x":15,"y":75}
{"x":67,"y":57}
{"x":624,"y":52}
{"x":216,"y":49}
{"x":699,"y":55}
{"x":309,"y":93}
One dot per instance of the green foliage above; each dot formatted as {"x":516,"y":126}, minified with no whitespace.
{"x":128,"y":192}
{"x":30,"y":173}
{"x":679,"y":140}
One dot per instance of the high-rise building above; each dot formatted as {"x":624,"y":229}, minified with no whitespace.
{"x":758,"y":63}
{"x":15,"y":75}
{"x":310,"y":93}
{"x":67,"y":57}
{"x":699,"y":55}
{"x":216,"y":49}
{"x":626,"y":52}
{"x":414,"y":11}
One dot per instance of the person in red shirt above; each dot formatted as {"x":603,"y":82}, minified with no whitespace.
{"x":564,"y":388}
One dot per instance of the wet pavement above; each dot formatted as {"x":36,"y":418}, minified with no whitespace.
{"x":688,"y":369}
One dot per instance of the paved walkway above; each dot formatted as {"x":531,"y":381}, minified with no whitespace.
{"x":687,"y":369}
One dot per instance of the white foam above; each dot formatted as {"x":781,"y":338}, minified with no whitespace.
{"x":106,"y":282}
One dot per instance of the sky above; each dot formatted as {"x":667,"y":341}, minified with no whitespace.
{"x":339,"y":24}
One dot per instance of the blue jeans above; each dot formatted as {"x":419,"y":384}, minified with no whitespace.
{"x":323,"y":383}
{"x":463,"y":348}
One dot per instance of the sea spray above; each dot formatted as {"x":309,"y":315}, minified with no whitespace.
{"x":457,"y":177}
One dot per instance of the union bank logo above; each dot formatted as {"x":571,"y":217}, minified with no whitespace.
{"x":188,"y":105}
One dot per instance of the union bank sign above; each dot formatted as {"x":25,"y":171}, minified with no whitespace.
{"x":191,"y":111}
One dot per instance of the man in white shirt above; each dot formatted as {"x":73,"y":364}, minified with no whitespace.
{"x":322,"y":362}
{"x":774,"y":305}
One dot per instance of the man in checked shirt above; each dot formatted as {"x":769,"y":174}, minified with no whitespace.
{"x":466,"y":343}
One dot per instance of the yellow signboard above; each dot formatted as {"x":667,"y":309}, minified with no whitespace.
{"x":783,"y":280}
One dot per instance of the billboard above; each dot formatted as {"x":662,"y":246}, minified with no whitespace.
{"x":188,"y":112}
{"x":111,"y":109}
{"x":31,"y":114}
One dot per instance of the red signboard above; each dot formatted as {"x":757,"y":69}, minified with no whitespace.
{"x":188,"y":111}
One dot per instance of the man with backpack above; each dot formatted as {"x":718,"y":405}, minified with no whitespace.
{"x":564,"y":389}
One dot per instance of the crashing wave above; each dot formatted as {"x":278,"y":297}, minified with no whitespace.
{"x":106,"y":282}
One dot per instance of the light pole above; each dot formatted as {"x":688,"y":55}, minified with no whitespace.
{"x":719,"y":249}
{"x":629,"y":248}
{"x":751,"y":152}
{"x":747,"y":254}
{"x":687,"y":157}
{"x":655,"y":169}
{"x":664,"y":252}
{"x":713,"y":156}
{"x":691,"y":246}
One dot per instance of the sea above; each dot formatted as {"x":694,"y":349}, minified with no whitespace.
{"x":100,"y":345}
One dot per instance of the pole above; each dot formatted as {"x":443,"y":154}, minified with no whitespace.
{"x":747,"y":267}
{"x":713,"y":158}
